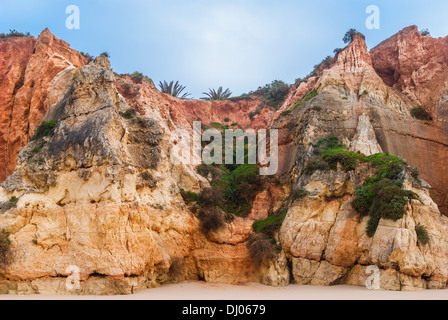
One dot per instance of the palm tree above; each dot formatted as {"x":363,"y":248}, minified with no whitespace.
{"x":173,"y":89}
{"x":213,"y":95}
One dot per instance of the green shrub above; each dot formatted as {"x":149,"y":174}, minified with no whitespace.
{"x":14,"y":33}
{"x":381,"y":199}
{"x":261,"y":249}
{"x":422,"y":234}
{"x":272,"y":224}
{"x":217,"y":125}
{"x":204,"y":170}
{"x":210,"y":197}
{"x":274,"y":94}
{"x":415,"y":174}
{"x":315,"y":165}
{"x":105,"y":54}
{"x":146,"y":180}
{"x":299,"y":194}
{"x":44,"y":129}
{"x":307,"y":97}
{"x":240,"y":188}
{"x":350,"y":35}
{"x":425,"y":32}
{"x":5,"y":245}
{"x":129,"y":113}
{"x":286,"y":113}
{"x":127,"y":87}
{"x":348,"y":159}
{"x":36,"y":149}
{"x":13,"y":202}
{"x":189,"y":197}
{"x":421,"y":114}
{"x":211,"y":219}
{"x":372,"y":226}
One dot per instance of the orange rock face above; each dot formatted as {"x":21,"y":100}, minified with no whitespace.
{"x":33,"y":75}
{"x":416,"y":65}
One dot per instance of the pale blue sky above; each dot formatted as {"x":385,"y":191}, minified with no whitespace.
{"x":238,"y":44}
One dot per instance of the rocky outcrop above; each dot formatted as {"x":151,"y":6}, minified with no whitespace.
{"x":34,"y":74}
{"x":100,"y":193}
{"x":98,"y":190}
{"x":327,"y":241}
{"x":415,"y":65}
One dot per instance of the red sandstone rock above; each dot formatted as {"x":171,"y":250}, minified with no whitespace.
{"x":31,"y":79}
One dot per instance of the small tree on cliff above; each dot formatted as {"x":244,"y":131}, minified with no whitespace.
{"x":425,"y":32}
{"x":350,"y":35}
{"x":105,"y":54}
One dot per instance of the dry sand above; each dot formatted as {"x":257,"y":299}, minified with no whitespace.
{"x":251,"y":291}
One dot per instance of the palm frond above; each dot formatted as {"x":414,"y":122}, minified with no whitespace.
{"x":173,"y":89}
{"x":213,"y":95}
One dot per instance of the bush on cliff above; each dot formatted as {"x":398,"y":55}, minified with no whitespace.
{"x":211,"y":219}
{"x":5,"y":244}
{"x":44,"y":129}
{"x":14,"y":33}
{"x":350,"y":35}
{"x":421,"y":114}
{"x":425,"y":32}
{"x":307,"y":97}
{"x":261,"y":249}
{"x":422,"y":234}
{"x":272,"y":224}
{"x":274,"y":94}
{"x":380,"y":197}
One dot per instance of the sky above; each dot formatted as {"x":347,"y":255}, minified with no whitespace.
{"x":237,"y":44}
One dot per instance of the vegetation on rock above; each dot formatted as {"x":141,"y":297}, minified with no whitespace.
{"x":380,"y":197}
{"x":5,"y":245}
{"x":425,"y":32}
{"x":217,"y":95}
{"x":261,"y":249}
{"x":421,"y":114}
{"x":14,"y":33}
{"x":174,"y":89}
{"x":422,"y":234}
{"x":350,"y":35}
{"x":44,"y":129}
{"x":307,"y":97}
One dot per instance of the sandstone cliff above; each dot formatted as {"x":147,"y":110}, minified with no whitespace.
{"x":34,"y":74}
{"x":98,"y":189}
{"x":101,"y":193}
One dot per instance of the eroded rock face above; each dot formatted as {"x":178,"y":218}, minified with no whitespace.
{"x":416,"y":65}
{"x":101,"y":192}
{"x":328,"y":245}
{"x":34,"y":74}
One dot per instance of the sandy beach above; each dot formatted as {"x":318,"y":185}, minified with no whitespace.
{"x":252,"y":291}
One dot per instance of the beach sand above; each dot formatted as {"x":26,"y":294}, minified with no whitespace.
{"x":251,"y":291}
